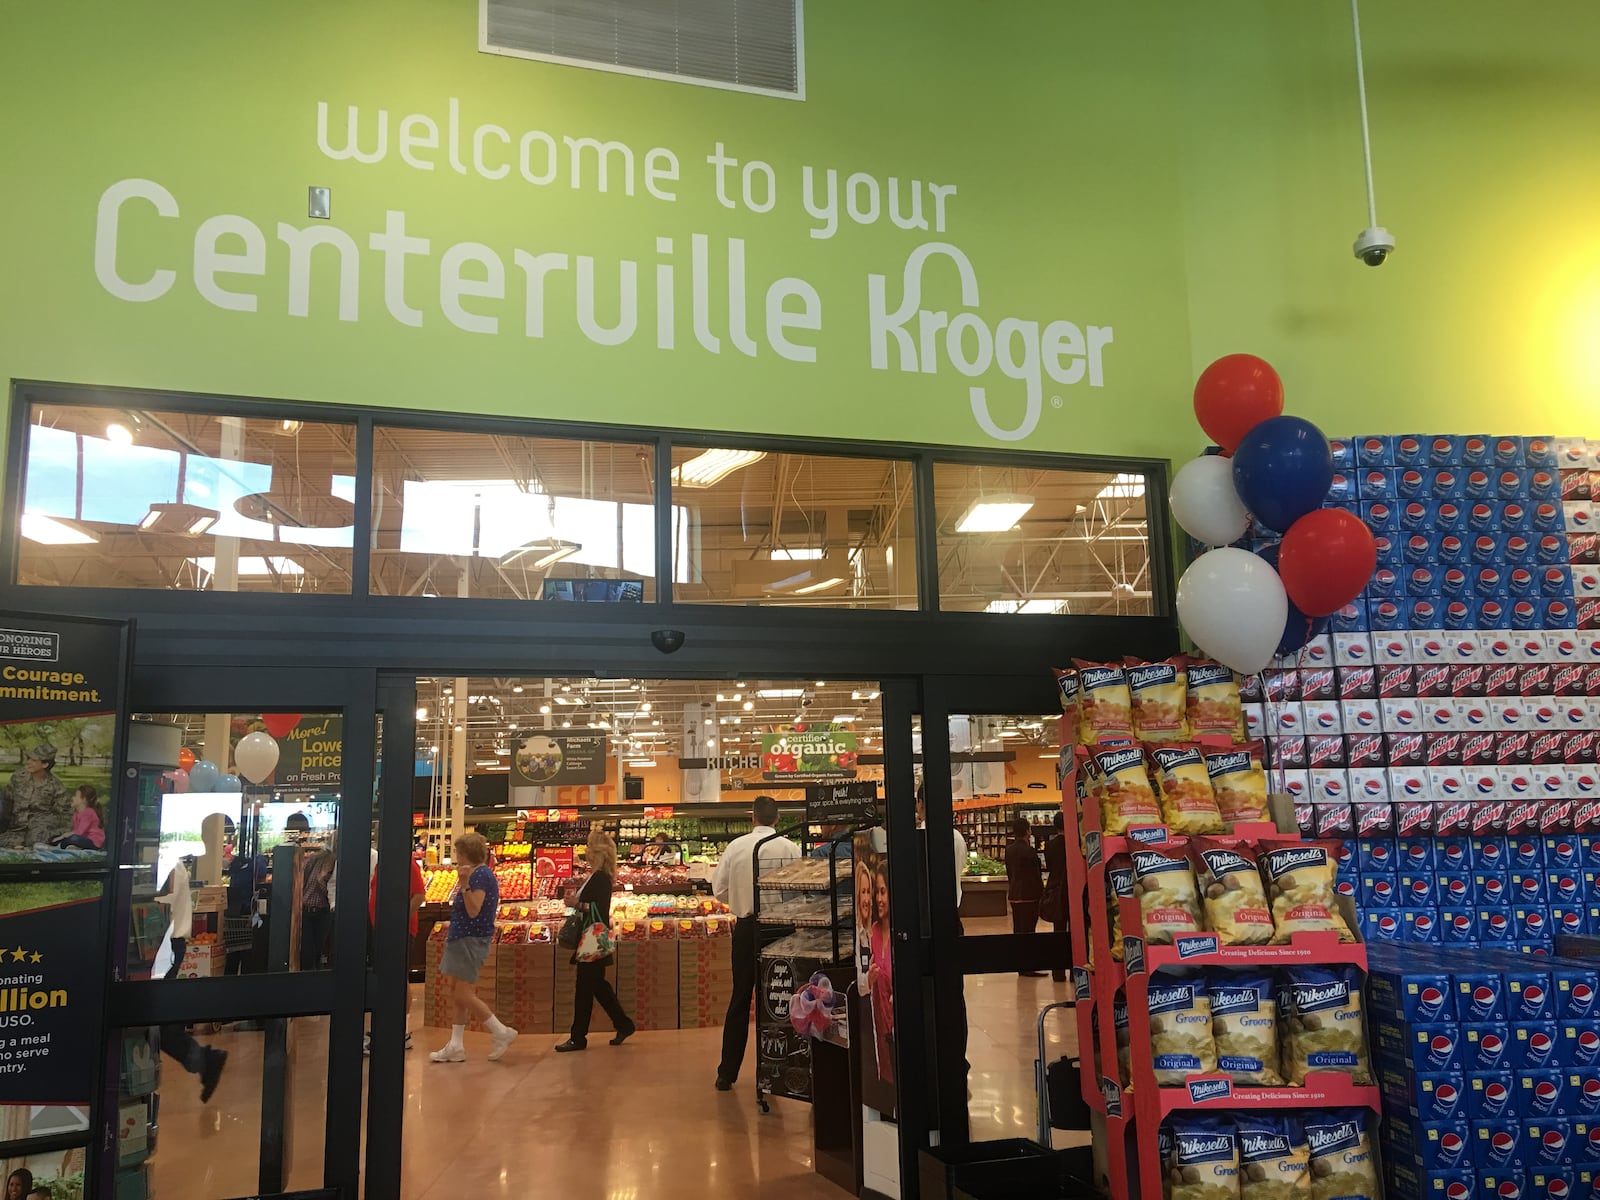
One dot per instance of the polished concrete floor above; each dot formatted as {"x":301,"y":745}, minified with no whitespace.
{"x":636,"y":1122}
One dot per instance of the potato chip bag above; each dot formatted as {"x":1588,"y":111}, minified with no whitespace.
{"x":1169,"y":901}
{"x":1327,"y":1029}
{"x":1119,"y":886}
{"x":1274,"y":1158}
{"x":1343,"y":1166}
{"x":1188,"y":805}
{"x":1105,"y":708}
{"x":1300,"y":886}
{"x":1232,"y":895}
{"x":1067,"y":688}
{"x":1119,"y":1024}
{"x":1244,"y":1024}
{"x":1181,"y":1043}
{"x":1239,"y":782}
{"x":1205,"y":1157}
{"x":1158,"y":692}
{"x":1125,"y":795}
{"x":1211,"y":701}
{"x":1086,"y":792}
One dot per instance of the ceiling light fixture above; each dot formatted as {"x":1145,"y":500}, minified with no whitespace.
{"x":179,"y":518}
{"x":119,"y":434}
{"x":55,"y":531}
{"x":820,"y":586}
{"x":749,"y":705}
{"x":545,"y":709}
{"x":422,"y":714}
{"x":780,"y":693}
{"x":711,"y":466}
{"x":1123,"y":486}
{"x":844,"y":718}
{"x":994,"y":514}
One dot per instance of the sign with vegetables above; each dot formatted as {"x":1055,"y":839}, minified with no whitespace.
{"x":798,"y":752}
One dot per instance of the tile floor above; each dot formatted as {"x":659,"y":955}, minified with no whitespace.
{"x":636,"y":1122}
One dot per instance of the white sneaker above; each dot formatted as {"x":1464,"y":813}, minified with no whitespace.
{"x":408,"y":1041}
{"x":502,"y":1043}
{"x":449,"y":1052}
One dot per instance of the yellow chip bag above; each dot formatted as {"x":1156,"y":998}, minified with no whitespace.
{"x":1239,"y":782}
{"x":1230,"y":888}
{"x":1105,"y":708}
{"x":1119,"y":887}
{"x":1188,"y":804}
{"x":1158,"y":691}
{"x":1067,"y":689}
{"x":1124,"y":790}
{"x":1300,"y":885}
{"x":1212,"y":706}
{"x":1169,"y":901}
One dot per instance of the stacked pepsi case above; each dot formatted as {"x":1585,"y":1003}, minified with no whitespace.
{"x":1489,"y":1068}
{"x":1509,"y":893}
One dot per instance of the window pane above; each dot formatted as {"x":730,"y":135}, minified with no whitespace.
{"x":131,"y":497}
{"x":1024,"y":540}
{"x":513,"y":518}
{"x":758,"y":527}
{"x":232,"y":881}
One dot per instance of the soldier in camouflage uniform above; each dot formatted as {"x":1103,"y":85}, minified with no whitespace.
{"x":38,"y":805}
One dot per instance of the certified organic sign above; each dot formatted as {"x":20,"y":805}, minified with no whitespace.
{"x":809,"y":752}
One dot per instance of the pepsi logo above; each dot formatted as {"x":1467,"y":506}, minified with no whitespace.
{"x":1432,"y":998}
{"x":1493,"y":891}
{"x":1456,"y":610}
{"x":1506,"y":448}
{"x":1450,"y":1144}
{"x":1424,"y":924}
{"x":1594,"y":1140}
{"x":1533,"y":923}
{"x":1417,"y":855}
{"x":1509,"y":1189}
{"x":1482,"y":514}
{"x":1454,"y":855}
{"x":1366,"y":718}
{"x":1553,"y":1143}
{"x":1382,"y":890}
{"x":1582,"y":997}
{"x":1545,"y":513}
{"x":1522,"y":578}
{"x":1537,"y":448}
{"x":1388,"y":926}
{"x":1591,"y":1087}
{"x":1380,"y":854}
{"x":1421,"y":578}
{"x":1484,"y":545}
{"x":1550,"y":544}
{"x":1580,"y":518}
{"x":1356,"y":651}
{"x":1408,"y":479}
{"x":1384,"y":543}
{"x":1540,"y":1045}
{"x":1421,"y":889}
{"x":1417,"y":543}
{"x":1490,"y":853}
{"x":1478,"y":481}
{"x":1384,"y":577}
{"x":1523,"y":610}
{"x":1450,"y":785}
{"x":1492,"y":610}
{"x":1497,"y":923}
{"x":1432,"y":649}
{"x":1555,"y":1189}
{"x":1554,"y":577}
{"x":1584,"y":783}
{"x":1330,"y":720}
{"x":1499,"y":647}
{"x":1530,"y":891}
{"x":1571,"y":923}
{"x":1566,"y":888}
{"x":1510,"y":481}
{"x":1316,"y":652}
{"x":1483,"y":997}
{"x":1449,"y":514}
{"x":1576,"y":716}
{"x":1332,"y":789}
{"x":1395,"y":648}
{"x":1510,"y":716}
{"x":1543,"y":480}
{"x":1388,"y":610}
{"x":1444,"y":481}
{"x":1462,"y":924}
{"x":1288,"y":719}
{"x":1544,"y":715}
{"x":1488,"y":579}
{"x":1442,"y":447}
{"x":1457,"y":891}
{"x":1423,"y":610}
{"x":1372,"y":787}
{"x":1502,"y":1143}
{"x":1589,"y":1041}
{"x":1566,"y":648}
{"x":1517,"y":546}
{"x":1556,"y":610}
{"x":1413,"y":786}
{"x":1407,"y":446}
{"x":1532,"y":997}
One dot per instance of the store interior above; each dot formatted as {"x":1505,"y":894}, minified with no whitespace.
{"x":681,"y":763}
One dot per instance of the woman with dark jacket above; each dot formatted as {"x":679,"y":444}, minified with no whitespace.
{"x":1024,"y":881}
{"x":592,"y":983}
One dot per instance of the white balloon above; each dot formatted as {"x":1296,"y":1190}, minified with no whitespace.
{"x":257,"y":754}
{"x":1233,"y":605}
{"x":1205,"y":502}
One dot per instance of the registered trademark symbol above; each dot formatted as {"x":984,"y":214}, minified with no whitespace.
{"x":1055,"y":401}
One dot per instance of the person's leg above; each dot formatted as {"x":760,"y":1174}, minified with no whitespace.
{"x":620,"y":1020}
{"x":453,"y":1050}
{"x":583,"y":1000}
{"x":736,"y":1025}
{"x":76,"y":841}
{"x":1025,"y":919}
{"x":179,"y":1045}
{"x":179,"y":945}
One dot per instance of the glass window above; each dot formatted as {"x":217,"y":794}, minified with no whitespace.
{"x":132,"y":497}
{"x":232,"y":857}
{"x":1015,"y":539}
{"x":769,"y":527}
{"x":513,"y":518}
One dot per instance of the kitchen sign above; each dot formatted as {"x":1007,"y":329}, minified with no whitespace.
{"x":808,"y":752}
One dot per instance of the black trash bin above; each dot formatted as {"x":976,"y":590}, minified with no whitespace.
{"x":1005,"y":1169}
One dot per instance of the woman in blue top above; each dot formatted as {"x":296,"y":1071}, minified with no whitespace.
{"x":472,"y":909}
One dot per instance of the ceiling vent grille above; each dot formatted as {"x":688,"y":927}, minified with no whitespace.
{"x":741,"y":45}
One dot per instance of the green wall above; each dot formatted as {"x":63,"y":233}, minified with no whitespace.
{"x":1137,"y":187}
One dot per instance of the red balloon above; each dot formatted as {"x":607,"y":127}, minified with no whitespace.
{"x":1325,"y":560}
{"x":279,"y":724}
{"x":185,"y":759}
{"x":1234,"y":395}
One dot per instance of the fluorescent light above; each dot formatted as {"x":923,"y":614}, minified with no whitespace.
{"x":545,"y":709}
{"x":640,"y":762}
{"x":172,"y":518}
{"x":1123,"y":486}
{"x":994,"y":514}
{"x":799,"y":555}
{"x":820,"y":586}
{"x":822,"y":683}
{"x":780,"y":693}
{"x":502,"y":753}
{"x":748,"y":705}
{"x":711,"y":466}
{"x":48,"y":531}
{"x":1026,"y":606}
{"x":516,"y":687}
{"x":119,"y":433}
{"x":844,"y":718}
{"x":645,"y":707}
{"x":873,"y":695}
{"x":251,"y":564}
{"x":422,"y":714}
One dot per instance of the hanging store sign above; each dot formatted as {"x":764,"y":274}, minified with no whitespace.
{"x":809,"y":752}
{"x":852,"y":803}
{"x":558,"y":759}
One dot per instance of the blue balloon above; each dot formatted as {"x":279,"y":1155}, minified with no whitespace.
{"x":1282,"y":471}
{"x":1298,"y":629}
{"x":228,"y":783}
{"x":203,"y":776}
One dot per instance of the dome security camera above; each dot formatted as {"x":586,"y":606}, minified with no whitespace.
{"x":668,"y":641}
{"x":1374,"y":245}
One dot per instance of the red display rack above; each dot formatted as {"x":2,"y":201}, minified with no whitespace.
{"x":1133,"y":1109}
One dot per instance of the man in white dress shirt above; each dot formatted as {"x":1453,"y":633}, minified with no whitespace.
{"x":733,"y":883}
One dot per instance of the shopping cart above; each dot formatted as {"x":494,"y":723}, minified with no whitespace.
{"x":238,"y":933}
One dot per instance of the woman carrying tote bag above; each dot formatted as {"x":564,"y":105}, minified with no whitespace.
{"x":593,"y":954}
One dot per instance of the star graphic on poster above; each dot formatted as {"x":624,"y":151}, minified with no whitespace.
{"x":36,"y":957}
{"x":19,"y":955}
